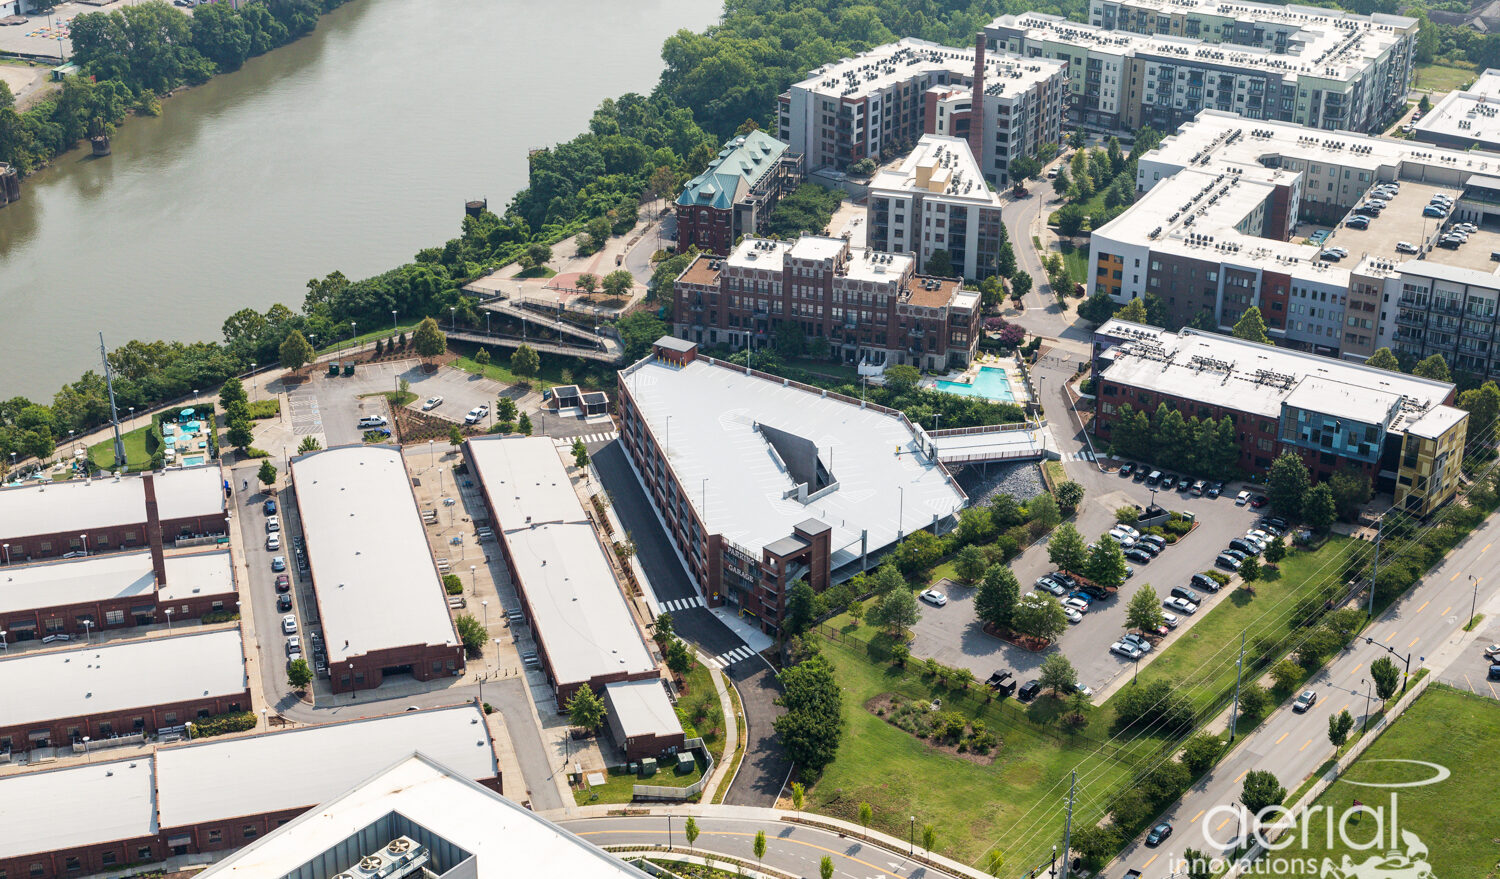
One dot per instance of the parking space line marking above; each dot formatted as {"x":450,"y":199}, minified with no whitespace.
{"x":1283,"y":737}
{"x":1492,"y":689}
{"x":1414,"y":642}
{"x":1470,"y":683}
{"x":1197,"y":816}
{"x":1424,"y":606}
{"x":1305,"y":744}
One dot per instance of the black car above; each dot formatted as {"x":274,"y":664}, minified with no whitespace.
{"x":270,"y":507}
{"x":1203,"y":581}
{"x":1150,"y":549}
{"x":1126,"y":469}
{"x":1215,"y":489}
{"x":1029,"y":691}
{"x":1244,"y":546}
{"x":1139,"y":475}
{"x":1235,"y":554}
{"x":1168,"y":480}
{"x":1155,"y":540}
{"x":1159,"y":834}
{"x":1067,"y":580}
{"x":1136,"y":554}
{"x":1186,"y":594}
{"x":1228,"y":562}
{"x":1495,"y":672}
{"x":283,"y":603}
{"x":1183,"y":482}
{"x":1002,"y":682}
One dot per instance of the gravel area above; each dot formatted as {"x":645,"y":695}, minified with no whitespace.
{"x":1021,"y":481}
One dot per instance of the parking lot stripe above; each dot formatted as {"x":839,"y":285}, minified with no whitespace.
{"x":1492,"y":689}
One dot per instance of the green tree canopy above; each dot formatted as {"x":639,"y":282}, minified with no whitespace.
{"x":1057,"y":674}
{"x":969,"y":564}
{"x":428,"y":339}
{"x":1252,"y":326}
{"x":1144,"y":611}
{"x":295,"y":351}
{"x":1319,"y":508}
{"x":524,"y":361}
{"x":1066,"y":549}
{"x":1434,"y":367}
{"x":1040,"y":616}
{"x":1384,"y":358}
{"x":1106,"y":564}
{"x":1287,"y":484}
{"x":1134,"y":310}
{"x":813,"y":723}
{"x":997,"y":596}
{"x":586,"y":710}
{"x":897,"y":611}
{"x":1261,"y":790}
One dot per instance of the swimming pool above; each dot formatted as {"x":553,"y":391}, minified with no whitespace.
{"x":192,"y":460}
{"x":991,"y":384}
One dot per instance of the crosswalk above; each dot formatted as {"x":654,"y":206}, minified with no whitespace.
{"x":678,"y":605}
{"x":730,"y":657}
{"x":1084,"y":455}
{"x":589,"y":439}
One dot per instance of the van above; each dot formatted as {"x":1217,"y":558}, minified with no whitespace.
{"x":1154,"y":478}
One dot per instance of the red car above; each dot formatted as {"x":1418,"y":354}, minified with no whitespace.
{"x":1258,"y":501}
{"x":283,"y":583}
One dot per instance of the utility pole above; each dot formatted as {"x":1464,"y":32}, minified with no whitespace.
{"x":114,"y":416}
{"x":1375,"y":568}
{"x":1068,"y":827}
{"x":1239,"y":667}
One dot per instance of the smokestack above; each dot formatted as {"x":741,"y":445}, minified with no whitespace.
{"x":976,"y":115}
{"x":153,"y":532}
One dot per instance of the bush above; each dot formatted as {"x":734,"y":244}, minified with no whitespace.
{"x":453,"y":584}
{"x":1127,"y":515}
{"x":265,"y":408}
{"x":220,"y":616}
{"x":253,"y":452}
{"x":219,"y":724}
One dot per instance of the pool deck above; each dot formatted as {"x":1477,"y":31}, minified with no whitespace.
{"x":967,"y":376}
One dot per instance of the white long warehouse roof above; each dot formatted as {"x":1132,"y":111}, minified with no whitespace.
{"x":93,"y":680}
{"x":580,"y":612}
{"x":232,"y":778}
{"x":84,"y":505}
{"x":113,"y":576}
{"x":75,"y":807}
{"x":373,"y":573}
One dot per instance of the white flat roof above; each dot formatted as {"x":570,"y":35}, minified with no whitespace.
{"x":873,"y":455}
{"x":75,"y":807}
{"x":95,"y":680}
{"x":949,"y":164}
{"x":373,"y":572}
{"x":504,"y":839}
{"x":89,"y":504}
{"x":908,"y":58}
{"x":579,"y":611}
{"x":1472,"y":113}
{"x":218,"y":780}
{"x":113,"y":576}
{"x":641,"y":708}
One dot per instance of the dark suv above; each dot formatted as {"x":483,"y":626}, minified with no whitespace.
{"x":1029,"y":691}
{"x":1203,"y":581}
{"x":1186,"y":594}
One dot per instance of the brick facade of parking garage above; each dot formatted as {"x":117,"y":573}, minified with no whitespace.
{"x":61,"y":732}
{"x":36,"y":547}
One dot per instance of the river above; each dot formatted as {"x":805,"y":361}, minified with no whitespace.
{"x":350,"y":149}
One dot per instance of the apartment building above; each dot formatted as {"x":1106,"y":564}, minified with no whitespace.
{"x":937,"y":200}
{"x":735,"y":195}
{"x":870,"y":307}
{"x":879,"y":103}
{"x":1221,"y":223}
{"x":1465,"y":118}
{"x":1400,"y":430}
{"x":762,"y":482}
{"x":1161,"y":62}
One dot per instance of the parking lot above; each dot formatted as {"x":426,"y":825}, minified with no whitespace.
{"x":39,"y":35}
{"x":953,"y":636}
{"x":1471,"y":670}
{"x":333,"y":406}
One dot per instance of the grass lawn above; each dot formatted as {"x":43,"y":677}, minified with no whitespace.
{"x":1440,"y":78}
{"x":1444,"y":726}
{"x":1076,"y":259}
{"x":1205,"y":655}
{"x":382,"y":333}
{"x":551,"y":374}
{"x":619,"y":785}
{"x":700,"y":712}
{"x":536,"y":272}
{"x":103,"y":454}
{"x":973,"y":806}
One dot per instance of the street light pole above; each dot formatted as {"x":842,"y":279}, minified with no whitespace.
{"x":394,"y":327}
{"x":88,"y":626}
{"x":1474,"y":602}
{"x":85,"y":539}
{"x":1368,"y":685}
{"x":911,"y":837}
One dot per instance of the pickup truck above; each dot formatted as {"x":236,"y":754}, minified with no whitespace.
{"x":1132,"y":874}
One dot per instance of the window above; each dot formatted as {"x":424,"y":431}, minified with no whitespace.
{"x":143,"y":853}
{"x":215,"y":837}
{"x":72,"y":864}
{"x":249,"y":831}
{"x":114,"y":617}
{"x":105,"y":858}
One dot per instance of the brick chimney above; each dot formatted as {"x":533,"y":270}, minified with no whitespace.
{"x":153,"y":532}
{"x":976,"y":115}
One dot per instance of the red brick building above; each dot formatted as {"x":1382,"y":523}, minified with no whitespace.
{"x":735,"y":194}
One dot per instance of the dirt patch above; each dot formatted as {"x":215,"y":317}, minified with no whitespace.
{"x":972,"y":741}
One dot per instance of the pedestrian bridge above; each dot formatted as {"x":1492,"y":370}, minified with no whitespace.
{"x":1026,"y":441}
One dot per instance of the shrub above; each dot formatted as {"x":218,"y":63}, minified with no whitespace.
{"x":219,"y":724}
{"x":1127,"y":515}
{"x":220,"y":616}
{"x":265,"y":408}
{"x":453,"y":584}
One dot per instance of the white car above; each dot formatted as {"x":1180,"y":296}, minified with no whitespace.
{"x":1129,"y":651}
{"x":273,"y":523}
{"x":273,"y":542}
{"x":1181,"y":605}
{"x":1134,"y":534}
{"x":1077,"y":604}
{"x":1261,"y":535}
{"x":1242,"y":498}
{"x":372,"y":421}
{"x":289,"y":624}
{"x":934,"y":597}
{"x":1125,"y":540}
{"x":1405,"y":247}
{"x":1492,"y":650}
{"x":1170,"y":620}
{"x":1074,"y":616}
{"x":432,"y":403}
{"x":476,"y":414}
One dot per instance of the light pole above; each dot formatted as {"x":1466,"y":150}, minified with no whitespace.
{"x":900,"y":511}
{"x":266,"y":719}
{"x":394,"y":327}
{"x":169,"y":619}
{"x":253,"y":365}
{"x":669,"y":832}
{"x":911,"y":837}
{"x":1392,"y":651}
{"x":431,"y":454}
{"x":1368,"y":686}
{"x":352,"y":334}
{"x":486,"y":605}
{"x":85,"y":539}
{"x":1474,"y":602}
{"x":473,"y":569}
{"x":352,"y":691}
{"x":452,"y":318}
{"x":86,"y":753}
{"x":4,"y":644}
{"x":7,"y":553}
{"x":88,"y":626}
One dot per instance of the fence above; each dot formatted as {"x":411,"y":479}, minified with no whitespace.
{"x":989,"y":428}
{"x":666,"y":792}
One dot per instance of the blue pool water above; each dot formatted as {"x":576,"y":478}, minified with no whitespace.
{"x":192,"y":460}
{"x":990,"y":383}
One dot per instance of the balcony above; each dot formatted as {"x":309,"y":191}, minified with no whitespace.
{"x":1411,"y":319}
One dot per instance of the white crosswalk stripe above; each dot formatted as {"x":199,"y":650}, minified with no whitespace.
{"x":680,"y":604}
{"x":588,"y":439}
{"x":728,"y":658}
{"x":1084,"y":455}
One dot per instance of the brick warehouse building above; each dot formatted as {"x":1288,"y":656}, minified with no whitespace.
{"x":215,"y":795}
{"x":1400,"y":430}
{"x":761,"y":481}
{"x":871,"y":307}
{"x":381,"y":604}
{"x":56,"y":698}
{"x":113,"y":591}
{"x":97,"y":515}
{"x":735,"y":194}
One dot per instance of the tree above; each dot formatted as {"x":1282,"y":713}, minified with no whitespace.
{"x":505,"y":409}
{"x":1275,"y":550}
{"x":801,"y":608}
{"x":917,"y":553}
{"x":1144,"y":610}
{"x":525,"y":362}
{"x":897,"y":611}
{"x":813,"y":723}
{"x":536,"y":254}
{"x":428,"y":339}
{"x":618,"y":282}
{"x":1384,"y":358}
{"x":231,"y":393}
{"x":267,"y":474}
{"x":1020,"y":284}
{"x":471,"y":632}
{"x":1069,"y":496}
{"x":1483,"y":405}
{"x":1201,"y":751}
{"x":1339,"y":727}
{"x":1387,"y":677}
{"x":482,"y":357}
{"x":1070,"y":220}
{"x":857,"y":613}
{"x":298,"y":675}
{"x":1039,"y":616}
{"x":1134,"y":310}
{"x":455,"y":435}
{"x":1155,"y":707}
{"x":997,"y":596}
{"x":975,"y":525}
{"x":586,"y":710}
{"x":587,"y":282}
{"x":239,"y":433}
{"x":825,"y":867}
{"x":1252,"y":326}
{"x":901,"y":379}
{"x":524,"y":424}
{"x":1254,"y":700}
{"x":690,"y":830}
{"x":1043,"y":511}
{"x":865,"y":814}
{"x":295,"y":351}
{"x":799,"y":795}
{"x":1287,"y":484}
{"x":1057,"y":673}
{"x":939,"y":263}
{"x":1433,"y":367}
{"x":679,"y":658}
{"x":1250,"y":570}
{"x":309,"y":444}
{"x":887,"y":579}
{"x":580,"y":454}
{"x":1319,"y":508}
{"x":1024,"y":168}
{"x":969,"y":564}
{"x":1095,"y":843}
{"x":1066,"y":549}
{"x":1286,"y":674}
{"x":1106,"y":565}
{"x":662,"y":632}
{"x":1261,"y":790}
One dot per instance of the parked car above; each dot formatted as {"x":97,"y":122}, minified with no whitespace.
{"x":1155,"y":540}
{"x":1305,"y":700}
{"x":1242,"y":498}
{"x":1258,"y":501}
{"x":289,"y":624}
{"x":1405,"y":247}
{"x":1139,"y":641}
{"x":1129,"y":651}
{"x":1358,"y":222}
{"x":1139,"y":475}
{"x":1199,"y":487}
{"x":372,"y":421}
{"x":283,"y":583}
{"x":1205,"y":582}
{"x":1168,"y":480}
{"x":1170,"y":620}
{"x":1180,"y":605}
{"x":1260,"y":534}
{"x":1127,"y":468}
{"x":283,"y":603}
{"x":1074,"y":615}
{"x":1494,"y":674}
{"x":270,"y":507}
{"x":1136,"y":554}
{"x":1239,"y":544}
{"x":1002,"y":682}
{"x":1235,"y":554}
{"x":273,"y":523}
{"x":934,"y":597}
{"x":1228,"y":562}
{"x":1154,"y":478}
{"x":1120,"y":537}
{"x":1029,"y":691}
{"x":1215,"y":489}
{"x":477,"y":414}
{"x":1047,"y":583}
{"x":1159,"y":834}
{"x":1066,"y":579}
{"x":1147,"y":546}
{"x":1186,"y":594}
{"x":1433,"y":210}
{"x":293,"y":648}
{"x":432,"y":403}
{"x":1079,"y":604}
{"x":1492,"y":650}
{"x":1183,"y":482}
{"x":278,"y":563}
{"x":1134,"y":534}
{"x":273,"y":542}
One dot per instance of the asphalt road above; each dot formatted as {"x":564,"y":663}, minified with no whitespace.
{"x":791,"y":848}
{"x":1427,"y":624}
{"x":1043,"y":316}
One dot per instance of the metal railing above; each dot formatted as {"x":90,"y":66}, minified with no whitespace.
{"x":667,"y":792}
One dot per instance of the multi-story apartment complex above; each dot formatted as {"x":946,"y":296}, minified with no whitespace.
{"x":871,"y":307}
{"x":762,"y":482}
{"x":1398,"y":429}
{"x":1215,"y":230}
{"x":879,"y":103}
{"x":1160,"y":62}
{"x":937,"y":200}
{"x":736,"y":193}
{"x":1465,"y":118}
